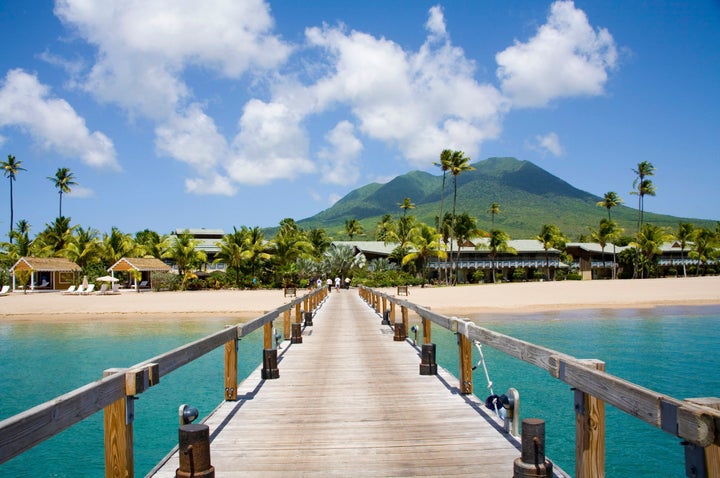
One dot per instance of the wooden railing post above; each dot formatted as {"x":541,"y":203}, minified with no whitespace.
{"x":465,"y":352}
{"x":117,"y":423}
{"x":231,"y":370}
{"x":286,"y":325}
{"x":711,"y":452}
{"x":589,"y":431}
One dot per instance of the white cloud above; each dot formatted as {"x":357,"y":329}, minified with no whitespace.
{"x":271,"y":145}
{"x":549,"y":143}
{"x":565,"y":58}
{"x":192,"y":138}
{"x":419,"y":102}
{"x":52,"y":122}
{"x":145,"y":46}
{"x":340,"y":163}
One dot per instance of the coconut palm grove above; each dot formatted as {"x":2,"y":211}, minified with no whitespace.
{"x":416,"y":251}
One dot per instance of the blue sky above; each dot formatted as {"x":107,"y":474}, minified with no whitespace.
{"x":179,"y":114}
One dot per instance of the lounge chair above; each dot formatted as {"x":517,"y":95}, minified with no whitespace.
{"x":5,"y":290}
{"x":70,"y":290}
{"x":89,"y":290}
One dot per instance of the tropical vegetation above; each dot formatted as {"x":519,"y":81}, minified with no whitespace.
{"x":295,"y":254}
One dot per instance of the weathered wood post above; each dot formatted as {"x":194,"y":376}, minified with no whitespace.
{"x":286,"y":325}
{"x":270,"y":363}
{"x":464,"y":356}
{"x":119,"y":417}
{"x":710,"y":455}
{"x":589,"y":430}
{"x":118,"y":426}
{"x":428,"y":366}
{"x":231,"y":373}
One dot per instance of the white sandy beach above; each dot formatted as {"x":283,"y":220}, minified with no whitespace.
{"x":525,"y":297}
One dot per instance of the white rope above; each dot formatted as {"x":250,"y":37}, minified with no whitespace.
{"x":478,"y":345}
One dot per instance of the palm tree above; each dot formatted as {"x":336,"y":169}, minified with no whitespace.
{"x":62,"y":180}
{"x":465,"y":230}
{"x":353,"y":228}
{"x":704,"y":247}
{"x":610,"y":200}
{"x":183,"y":251}
{"x":494,"y":210}
{"x":550,"y":237}
{"x":684,"y":234}
{"x":385,"y":228}
{"x":648,"y":243}
{"x":606,"y":232}
{"x":497,"y":244}
{"x":84,"y":247}
{"x":10,"y":169}
{"x":444,"y":166}
{"x":459,"y":163}
{"x":232,"y":252}
{"x":405,"y":205}
{"x":642,"y":186}
{"x":424,"y":245}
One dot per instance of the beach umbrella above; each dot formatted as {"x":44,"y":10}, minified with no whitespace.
{"x":106,"y":279}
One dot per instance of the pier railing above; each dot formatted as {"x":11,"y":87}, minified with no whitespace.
{"x":115,"y":392}
{"x":695,"y":420}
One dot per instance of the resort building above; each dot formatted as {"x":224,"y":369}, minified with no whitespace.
{"x":44,"y":273}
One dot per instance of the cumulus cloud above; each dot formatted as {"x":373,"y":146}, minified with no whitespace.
{"x":145,"y":46}
{"x":565,"y":58}
{"x":548,"y":143}
{"x":340,"y":163}
{"x":52,"y":122}
{"x":419,"y":102}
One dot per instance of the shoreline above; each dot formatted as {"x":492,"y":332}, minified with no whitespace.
{"x":480,"y":301}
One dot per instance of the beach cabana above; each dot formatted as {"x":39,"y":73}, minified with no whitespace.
{"x":144,"y":265}
{"x":46,"y":273}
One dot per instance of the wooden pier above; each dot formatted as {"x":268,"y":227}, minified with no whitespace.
{"x":350,"y":401}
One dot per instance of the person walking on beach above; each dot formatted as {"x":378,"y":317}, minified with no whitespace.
{"x":329,"y":284}
{"x":337,"y":284}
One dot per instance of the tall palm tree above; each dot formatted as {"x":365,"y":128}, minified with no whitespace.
{"x":405,"y":205}
{"x":494,"y":210}
{"x":459,"y":163}
{"x":63,"y":180}
{"x":610,"y":200}
{"x":551,"y":238}
{"x":642,"y":186}
{"x":497,"y":244}
{"x":11,"y":168}
{"x":684,"y":235}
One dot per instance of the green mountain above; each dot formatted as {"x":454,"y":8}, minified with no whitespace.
{"x":528,"y":197}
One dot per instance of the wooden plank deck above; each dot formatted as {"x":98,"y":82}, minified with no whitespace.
{"x":350,"y":402}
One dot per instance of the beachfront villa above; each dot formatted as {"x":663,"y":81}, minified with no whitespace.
{"x":44,"y":273}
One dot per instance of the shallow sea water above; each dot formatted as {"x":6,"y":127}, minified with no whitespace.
{"x":669,"y":350}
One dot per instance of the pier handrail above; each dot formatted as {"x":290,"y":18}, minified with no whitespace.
{"x":31,"y":427}
{"x":697,"y":424}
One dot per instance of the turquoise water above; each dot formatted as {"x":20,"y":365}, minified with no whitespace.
{"x":670,"y":350}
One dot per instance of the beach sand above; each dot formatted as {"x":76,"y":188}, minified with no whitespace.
{"x":512,"y":298}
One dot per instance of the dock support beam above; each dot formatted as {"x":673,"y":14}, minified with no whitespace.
{"x":589,"y":431}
